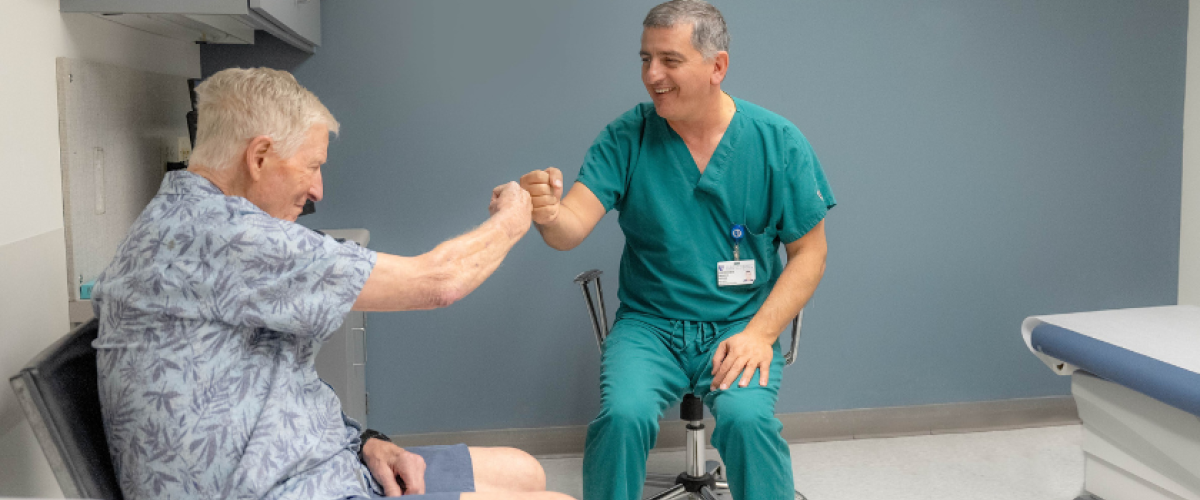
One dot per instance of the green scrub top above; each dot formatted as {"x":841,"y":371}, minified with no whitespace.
{"x":763,"y":175}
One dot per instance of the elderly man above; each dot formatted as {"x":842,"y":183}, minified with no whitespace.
{"x":707,"y":186}
{"x":216,"y":303}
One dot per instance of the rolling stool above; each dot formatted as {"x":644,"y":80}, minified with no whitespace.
{"x":702,"y":478}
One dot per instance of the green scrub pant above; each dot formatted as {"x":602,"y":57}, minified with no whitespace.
{"x":648,"y":364}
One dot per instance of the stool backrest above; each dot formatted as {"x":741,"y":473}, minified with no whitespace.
{"x":60,"y":397}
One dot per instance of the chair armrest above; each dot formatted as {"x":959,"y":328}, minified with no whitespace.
{"x":595,"y":305}
{"x":790,"y":356}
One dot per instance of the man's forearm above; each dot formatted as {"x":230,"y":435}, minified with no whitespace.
{"x":445,"y":274}
{"x":461,"y":264}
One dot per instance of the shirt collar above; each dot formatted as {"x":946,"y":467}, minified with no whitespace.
{"x":184,"y":182}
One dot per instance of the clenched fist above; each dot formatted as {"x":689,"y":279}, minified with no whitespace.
{"x":512,"y":203}
{"x":545,"y":189}
{"x":508,"y":196}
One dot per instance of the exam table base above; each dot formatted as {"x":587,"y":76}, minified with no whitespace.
{"x":1135,"y":447}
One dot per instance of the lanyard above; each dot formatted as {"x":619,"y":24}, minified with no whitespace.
{"x":738,"y":232}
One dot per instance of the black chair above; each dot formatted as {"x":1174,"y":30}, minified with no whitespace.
{"x":701,"y":478}
{"x":61,"y":400}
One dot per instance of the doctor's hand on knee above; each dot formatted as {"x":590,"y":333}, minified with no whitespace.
{"x":387,"y":461}
{"x":740,"y":355}
{"x":545,"y":189}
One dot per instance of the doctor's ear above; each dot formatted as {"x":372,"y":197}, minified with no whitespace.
{"x":720,"y":67}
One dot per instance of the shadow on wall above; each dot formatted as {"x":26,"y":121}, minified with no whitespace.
{"x":267,"y":51}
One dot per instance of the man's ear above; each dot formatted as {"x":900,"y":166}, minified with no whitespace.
{"x":720,"y":66}
{"x":256,"y":155}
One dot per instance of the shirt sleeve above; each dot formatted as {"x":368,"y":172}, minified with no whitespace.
{"x":606,"y":166}
{"x":285,"y":277}
{"x":806,"y":193}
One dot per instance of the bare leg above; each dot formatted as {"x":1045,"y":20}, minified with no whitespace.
{"x":500,"y":470}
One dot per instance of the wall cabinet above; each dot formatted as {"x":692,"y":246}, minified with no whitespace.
{"x":297,"y":22}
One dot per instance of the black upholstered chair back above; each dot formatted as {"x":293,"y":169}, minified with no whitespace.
{"x":59,"y":395}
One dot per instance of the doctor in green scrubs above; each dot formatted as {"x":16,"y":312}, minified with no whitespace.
{"x":707,"y":186}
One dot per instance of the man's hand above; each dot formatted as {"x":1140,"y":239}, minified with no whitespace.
{"x":512,"y":202}
{"x":545,"y":188}
{"x":386,"y":461}
{"x":741,"y":354}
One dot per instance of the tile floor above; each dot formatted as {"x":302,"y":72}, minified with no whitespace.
{"x":1023,"y":464}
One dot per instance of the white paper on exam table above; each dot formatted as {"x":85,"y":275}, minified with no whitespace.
{"x":1170,"y":334}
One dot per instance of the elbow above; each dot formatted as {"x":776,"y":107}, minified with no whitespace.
{"x":445,"y":294}
{"x":563,"y":246}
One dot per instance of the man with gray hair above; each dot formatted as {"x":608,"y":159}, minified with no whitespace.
{"x":708,"y":186}
{"x":216,"y":303}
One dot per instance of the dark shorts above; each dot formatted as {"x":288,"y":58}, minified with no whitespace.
{"x":448,"y":472}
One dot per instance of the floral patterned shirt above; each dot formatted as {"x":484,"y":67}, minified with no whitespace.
{"x":210,"y":316}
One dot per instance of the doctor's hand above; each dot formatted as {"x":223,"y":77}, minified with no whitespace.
{"x":545,"y":189}
{"x":387,"y":461}
{"x":740,"y":355}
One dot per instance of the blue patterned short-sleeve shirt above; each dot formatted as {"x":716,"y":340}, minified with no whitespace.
{"x":210,"y":316}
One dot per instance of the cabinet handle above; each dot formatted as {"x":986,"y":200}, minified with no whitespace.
{"x":360,"y":346}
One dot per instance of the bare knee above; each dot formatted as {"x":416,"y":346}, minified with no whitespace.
{"x":533,"y":476}
{"x":507,"y":469}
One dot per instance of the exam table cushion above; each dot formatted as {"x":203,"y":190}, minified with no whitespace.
{"x":1163,"y":381}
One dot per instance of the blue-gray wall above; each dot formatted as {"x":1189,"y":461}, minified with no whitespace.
{"x":993,"y":160}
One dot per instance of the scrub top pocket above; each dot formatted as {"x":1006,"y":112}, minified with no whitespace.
{"x":760,"y":248}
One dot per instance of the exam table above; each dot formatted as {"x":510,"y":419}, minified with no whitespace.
{"x":1135,"y":375}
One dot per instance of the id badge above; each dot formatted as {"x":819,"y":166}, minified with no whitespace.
{"x":735,"y":272}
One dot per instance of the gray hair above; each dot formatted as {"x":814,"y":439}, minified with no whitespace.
{"x":236,"y":105}
{"x":709,"y":34}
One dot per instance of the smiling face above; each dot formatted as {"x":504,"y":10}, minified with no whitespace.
{"x":282,"y":186}
{"x":681,"y":82}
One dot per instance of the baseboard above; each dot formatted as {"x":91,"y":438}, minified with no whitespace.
{"x":801,"y":427}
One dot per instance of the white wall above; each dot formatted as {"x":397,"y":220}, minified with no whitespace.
{"x":1189,"y":230}
{"x":33,"y":290}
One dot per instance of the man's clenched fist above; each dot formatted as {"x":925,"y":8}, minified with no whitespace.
{"x":545,"y":189}
{"x":511,"y":203}
{"x":508,"y":197}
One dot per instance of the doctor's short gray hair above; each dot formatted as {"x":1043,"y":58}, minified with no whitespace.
{"x":236,"y":105}
{"x":709,"y":34}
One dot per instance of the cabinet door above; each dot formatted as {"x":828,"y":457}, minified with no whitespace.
{"x":341,"y":363}
{"x":299,"y":17}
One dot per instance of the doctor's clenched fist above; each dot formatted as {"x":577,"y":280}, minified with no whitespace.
{"x":545,"y":189}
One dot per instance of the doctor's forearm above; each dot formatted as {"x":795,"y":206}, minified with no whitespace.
{"x":565,"y":233}
{"x":795,"y":287}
